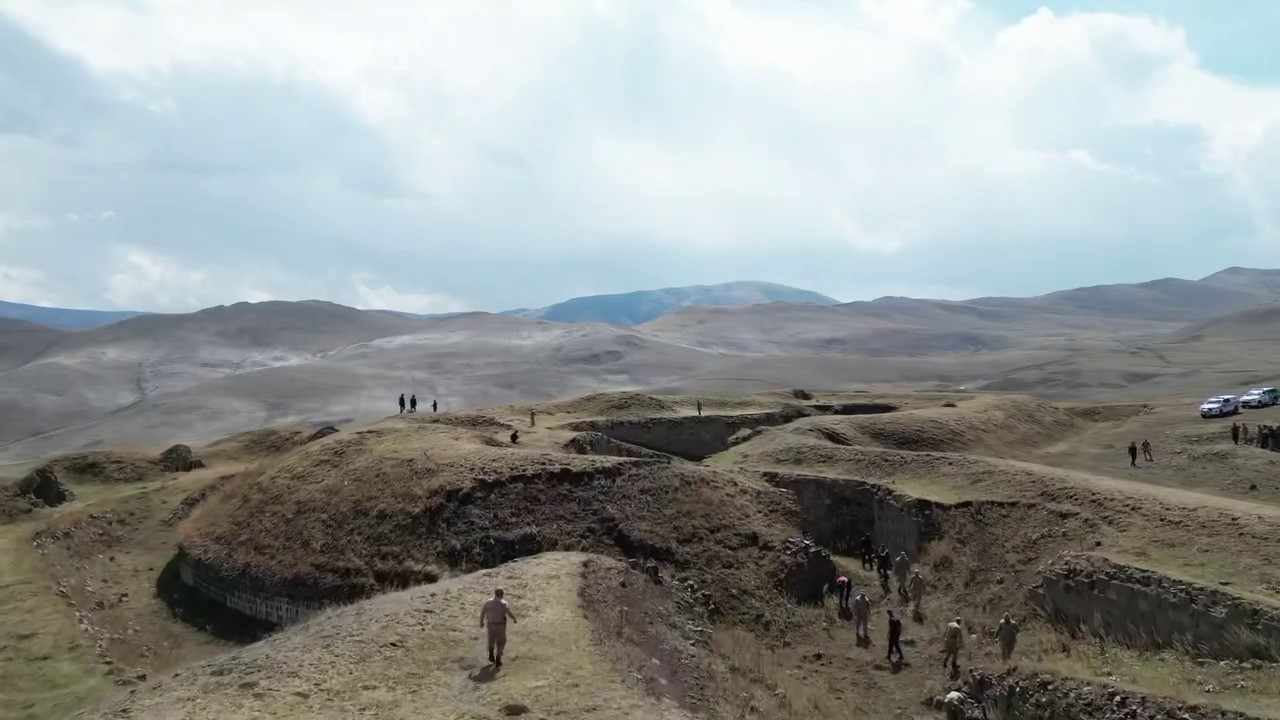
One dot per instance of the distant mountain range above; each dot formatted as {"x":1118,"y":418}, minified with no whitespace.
{"x":641,"y":306}
{"x":66,"y":318}
{"x":155,"y":379}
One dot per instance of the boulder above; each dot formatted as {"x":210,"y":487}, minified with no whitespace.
{"x":42,"y":485}
{"x":180,"y":458}
{"x":801,"y":394}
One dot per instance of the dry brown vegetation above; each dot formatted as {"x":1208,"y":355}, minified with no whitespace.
{"x":417,"y":498}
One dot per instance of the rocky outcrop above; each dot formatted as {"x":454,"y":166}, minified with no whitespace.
{"x":41,"y":487}
{"x":180,"y":458}
{"x":694,"y":437}
{"x":806,"y":570}
{"x":594,"y":443}
{"x":323,"y":432}
{"x":1148,"y":609}
{"x":1010,"y":696}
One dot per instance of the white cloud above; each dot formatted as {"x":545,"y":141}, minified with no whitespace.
{"x":145,"y":280}
{"x":373,"y":294}
{"x":25,"y":285}
{"x":916,"y":137}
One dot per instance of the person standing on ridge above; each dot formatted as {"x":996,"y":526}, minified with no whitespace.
{"x":533,"y":417}
{"x":413,"y":403}
{"x":699,"y":408}
{"x":493,"y":617}
{"x":401,"y":403}
{"x":434,"y":406}
{"x":1133,"y":454}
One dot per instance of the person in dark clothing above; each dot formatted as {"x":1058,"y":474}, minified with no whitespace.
{"x":884,"y":564}
{"x":895,"y":638}
{"x":401,"y":402}
{"x":515,"y":436}
{"x":413,"y":403}
{"x":868,"y":553}
{"x":1133,"y":454}
{"x":699,"y":407}
{"x":1235,"y":433}
{"x":434,"y":406}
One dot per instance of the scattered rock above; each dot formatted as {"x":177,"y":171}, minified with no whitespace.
{"x":801,"y":394}
{"x":180,"y":458}
{"x":514,"y":709}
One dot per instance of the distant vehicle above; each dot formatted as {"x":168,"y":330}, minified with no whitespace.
{"x":1260,"y":397}
{"x":1220,"y":405}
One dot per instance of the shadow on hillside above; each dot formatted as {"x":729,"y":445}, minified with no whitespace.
{"x":196,"y":609}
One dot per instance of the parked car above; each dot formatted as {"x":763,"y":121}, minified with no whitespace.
{"x":1219,"y":406}
{"x":1260,"y":397}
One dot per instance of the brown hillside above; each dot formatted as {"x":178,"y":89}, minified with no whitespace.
{"x":1261,"y":323}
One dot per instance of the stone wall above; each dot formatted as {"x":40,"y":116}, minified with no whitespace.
{"x":692,"y":437}
{"x":271,"y":608}
{"x":1149,"y":609}
{"x":839,"y":511}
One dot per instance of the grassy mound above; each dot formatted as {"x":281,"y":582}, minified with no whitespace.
{"x":401,"y":503}
{"x":108,"y":467}
{"x":990,"y":424}
{"x":607,"y":404}
{"x":420,"y":653}
{"x":258,"y":444}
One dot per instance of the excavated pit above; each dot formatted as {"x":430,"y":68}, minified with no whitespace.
{"x":1147,"y":609}
{"x":1013,"y":696}
{"x":694,"y":437}
{"x":839,"y":511}
{"x":594,"y":443}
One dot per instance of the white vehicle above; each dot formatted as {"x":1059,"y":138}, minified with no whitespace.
{"x":1260,"y":397}
{"x":1220,"y":405}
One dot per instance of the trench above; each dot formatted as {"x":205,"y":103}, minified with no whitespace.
{"x":1089,"y":594}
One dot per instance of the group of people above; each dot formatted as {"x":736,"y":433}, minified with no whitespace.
{"x":413,"y":404}
{"x":910,"y":587}
{"x":1267,"y":437}
{"x":1146,"y":452}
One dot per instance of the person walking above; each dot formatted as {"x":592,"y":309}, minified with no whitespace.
{"x":895,"y":638}
{"x":434,"y":406}
{"x":533,"y":417}
{"x":1235,"y":433}
{"x":401,"y":403}
{"x":413,"y":403}
{"x":916,"y":588}
{"x":901,"y":571}
{"x":844,"y":589}
{"x":493,"y":617}
{"x":1146,"y":451}
{"x":862,"y":616}
{"x":699,"y":408}
{"x":952,"y":641}
{"x":1007,"y":634}
{"x":1133,"y":454}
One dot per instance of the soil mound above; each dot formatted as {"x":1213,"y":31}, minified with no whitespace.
{"x":390,"y":506}
{"x":607,"y":404}
{"x":471,"y":421}
{"x":40,"y":488}
{"x":995,"y":424}
{"x":105,"y":467}
{"x":180,"y":458}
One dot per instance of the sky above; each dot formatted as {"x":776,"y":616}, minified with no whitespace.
{"x":466,"y":154}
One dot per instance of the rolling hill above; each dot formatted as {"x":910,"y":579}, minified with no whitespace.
{"x":157,"y":379}
{"x":62,"y":317}
{"x":641,"y":306}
